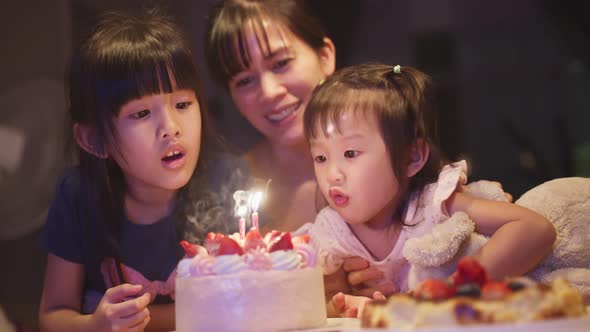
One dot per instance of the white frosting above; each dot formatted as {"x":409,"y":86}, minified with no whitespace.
{"x":285,"y":260}
{"x":183,"y":269}
{"x":228,"y":264}
{"x":202,"y":265}
{"x":309,"y":257}
{"x":301,"y":256}
{"x":258,"y":260}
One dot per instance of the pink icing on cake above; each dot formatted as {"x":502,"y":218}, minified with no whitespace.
{"x":269,"y":283}
{"x":223,"y":254}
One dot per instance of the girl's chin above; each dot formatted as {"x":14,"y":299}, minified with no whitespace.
{"x":178,"y":181}
{"x":292,"y":142}
{"x":352,"y":219}
{"x":291,"y":137}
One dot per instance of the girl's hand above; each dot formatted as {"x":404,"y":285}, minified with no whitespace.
{"x":364,"y":279}
{"x":350,"y":306}
{"x":116,"y":312}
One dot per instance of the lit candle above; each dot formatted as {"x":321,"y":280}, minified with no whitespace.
{"x":241,"y":198}
{"x":242,"y":212}
{"x":255,"y":204}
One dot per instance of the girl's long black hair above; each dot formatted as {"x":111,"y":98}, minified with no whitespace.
{"x":126,"y":57}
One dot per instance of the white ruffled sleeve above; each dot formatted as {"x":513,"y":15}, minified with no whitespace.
{"x":450,"y":178}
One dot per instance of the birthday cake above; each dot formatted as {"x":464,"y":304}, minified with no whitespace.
{"x":469,"y":297}
{"x":249,"y":283}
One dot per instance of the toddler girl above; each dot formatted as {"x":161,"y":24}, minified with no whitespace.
{"x":371,"y":132}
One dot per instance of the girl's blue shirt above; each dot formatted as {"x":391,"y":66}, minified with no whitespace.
{"x":72,"y":228}
{"x":72,"y":233}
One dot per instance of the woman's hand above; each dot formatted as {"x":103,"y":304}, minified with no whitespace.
{"x":116,"y":312}
{"x":350,"y":306}
{"x":356,"y":277}
{"x":365,"y":280}
{"x":336,"y":282}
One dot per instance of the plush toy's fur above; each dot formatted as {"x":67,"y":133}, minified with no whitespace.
{"x":565,"y":202}
{"x":435,"y":255}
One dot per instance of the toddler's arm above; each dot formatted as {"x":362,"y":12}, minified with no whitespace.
{"x":520,"y":238}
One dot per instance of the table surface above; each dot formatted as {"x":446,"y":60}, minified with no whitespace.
{"x":579,"y":324}
{"x":562,"y":325}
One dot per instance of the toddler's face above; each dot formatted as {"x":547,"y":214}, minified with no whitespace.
{"x":353,"y":170}
{"x":158,"y":140}
{"x":273,"y":91}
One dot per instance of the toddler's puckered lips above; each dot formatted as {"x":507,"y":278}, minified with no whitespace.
{"x":174,"y":156}
{"x":338,"y":197}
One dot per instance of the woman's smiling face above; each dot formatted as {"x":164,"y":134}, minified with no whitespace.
{"x":274,"y":90}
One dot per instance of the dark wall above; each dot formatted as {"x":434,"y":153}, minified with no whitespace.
{"x":512,"y":79}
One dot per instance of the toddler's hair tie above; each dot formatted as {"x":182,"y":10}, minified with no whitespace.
{"x":397,"y":69}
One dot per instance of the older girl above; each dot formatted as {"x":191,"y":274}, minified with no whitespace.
{"x":114,"y":226}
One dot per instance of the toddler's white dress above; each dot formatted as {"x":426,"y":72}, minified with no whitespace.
{"x":335,"y":241}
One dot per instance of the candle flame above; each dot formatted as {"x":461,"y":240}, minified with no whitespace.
{"x":256,"y":198}
{"x":242,"y":211}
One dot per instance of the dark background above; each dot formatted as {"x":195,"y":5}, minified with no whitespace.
{"x":513,"y":78}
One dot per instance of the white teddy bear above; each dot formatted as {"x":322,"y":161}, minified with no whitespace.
{"x":565,"y":202}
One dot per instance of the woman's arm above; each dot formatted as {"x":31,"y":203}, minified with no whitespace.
{"x":61,"y":302}
{"x":520,"y":238}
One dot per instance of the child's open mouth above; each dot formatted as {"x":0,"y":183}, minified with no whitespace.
{"x":338,"y":198}
{"x":173,"y":156}
{"x":173,"y":159}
